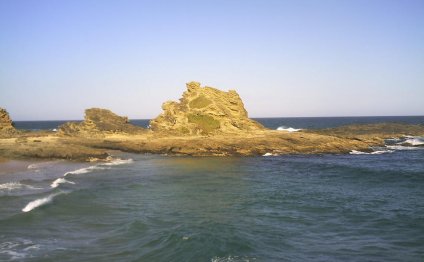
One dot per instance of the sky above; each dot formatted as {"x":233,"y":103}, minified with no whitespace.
{"x":285,"y":58}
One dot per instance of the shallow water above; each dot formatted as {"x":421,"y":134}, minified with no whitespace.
{"x":276,"y":208}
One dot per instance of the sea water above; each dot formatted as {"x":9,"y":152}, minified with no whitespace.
{"x":352,"y":207}
{"x":273,"y":123}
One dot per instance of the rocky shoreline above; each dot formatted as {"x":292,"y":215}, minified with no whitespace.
{"x":205,"y":122}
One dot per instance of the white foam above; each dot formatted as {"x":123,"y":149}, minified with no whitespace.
{"x":114,"y":162}
{"x":39,"y":202}
{"x":269,"y":154}
{"x":13,"y":254}
{"x":231,"y":259}
{"x":82,"y":170}
{"x":13,"y":249}
{"x":15,"y":185}
{"x":33,"y":247}
{"x":288,"y":129}
{"x":414,"y":141}
{"x":11,"y":186}
{"x":118,"y":161}
{"x":33,"y":166}
{"x":59,"y":181}
{"x":399,"y":147}
{"x":378,"y":152}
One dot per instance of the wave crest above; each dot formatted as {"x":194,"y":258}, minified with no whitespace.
{"x":118,"y":161}
{"x":288,"y":129}
{"x":378,"y":152}
{"x":414,"y":141}
{"x":39,"y":202}
{"x":59,"y":181}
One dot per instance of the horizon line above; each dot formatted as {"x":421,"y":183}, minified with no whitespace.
{"x":255,"y":117}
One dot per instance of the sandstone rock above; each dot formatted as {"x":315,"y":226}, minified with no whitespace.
{"x":203,"y":111}
{"x":6,"y":125}
{"x":99,"y":120}
{"x":5,"y":121}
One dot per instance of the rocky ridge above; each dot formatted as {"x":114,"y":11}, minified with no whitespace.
{"x":97,"y":121}
{"x":204,"y":111}
{"x":205,"y":122}
{"x":6,"y":124}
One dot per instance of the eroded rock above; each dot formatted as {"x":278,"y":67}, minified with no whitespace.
{"x":99,"y":120}
{"x":6,"y":124}
{"x":203,"y":111}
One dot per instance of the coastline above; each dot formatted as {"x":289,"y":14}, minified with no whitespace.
{"x":96,"y":146}
{"x":204,"y":122}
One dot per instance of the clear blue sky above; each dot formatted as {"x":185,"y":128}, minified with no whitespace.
{"x":285,"y":58}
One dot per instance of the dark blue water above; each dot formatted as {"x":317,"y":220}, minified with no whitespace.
{"x":367,"y":207}
{"x":272,"y":123}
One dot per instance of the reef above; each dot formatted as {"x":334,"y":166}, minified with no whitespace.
{"x":205,"y":122}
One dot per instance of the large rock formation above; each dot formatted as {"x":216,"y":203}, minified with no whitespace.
{"x":99,"y":120}
{"x":204,"y":110}
{"x":6,"y":124}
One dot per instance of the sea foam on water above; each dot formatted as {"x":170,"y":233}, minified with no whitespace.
{"x":288,"y":129}
{"x":39,"y":202}
{"x":59,"y":181}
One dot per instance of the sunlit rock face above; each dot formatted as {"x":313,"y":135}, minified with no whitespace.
{"x":204,"y":111}
{"x":6,"y":124}
{"x":99,"y":120}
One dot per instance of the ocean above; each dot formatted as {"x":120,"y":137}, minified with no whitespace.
{"x":141,"y":207}
{"x":273,"y":123}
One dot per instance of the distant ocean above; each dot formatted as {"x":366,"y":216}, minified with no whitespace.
{"x":273,"y":123}
{"x":353,"y":207}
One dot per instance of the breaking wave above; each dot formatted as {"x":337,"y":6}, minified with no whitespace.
{"x":59,"y":181}
{"x":39,"y":202}
{"x":288,"y":129}
{"x":378,"y":152}
{"x":16,"y":185}
{"x":114,"y":162}
{"x":270,"y":154}
{"x":118,"y":161}
{"x":83,"y":170}
{"x":400,"y":147}
{"x":414,"y":141}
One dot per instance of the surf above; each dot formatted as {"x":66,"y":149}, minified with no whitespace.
{"x":39,"y":202}
{"x":378,"y":152}
{"x":288,"y":129}
{"x":10,"y":186}
{"x":59,"y":181}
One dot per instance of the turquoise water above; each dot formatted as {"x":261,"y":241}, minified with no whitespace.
{"x":355,"y":207}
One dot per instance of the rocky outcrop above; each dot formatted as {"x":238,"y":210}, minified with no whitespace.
{"x":5,"y":121}
{"x":6,"y":124}
{"x":204,"y":111}
{"x":99,"y":120}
